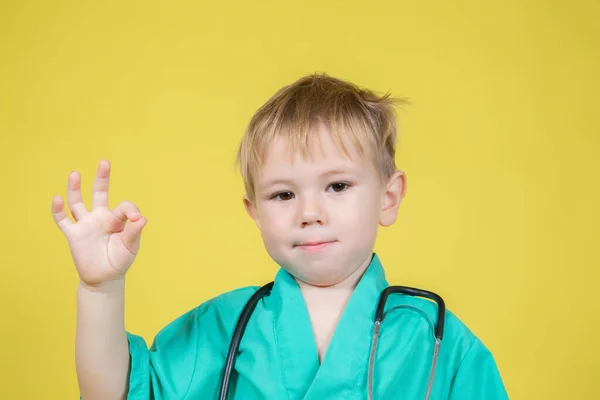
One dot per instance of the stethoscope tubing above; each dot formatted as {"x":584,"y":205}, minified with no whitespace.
{"x":379,"y":314}
{"x":237,"y":337}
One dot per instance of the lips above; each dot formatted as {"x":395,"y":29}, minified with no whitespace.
{"x":313,"y":246}
{"x":314,"y":242}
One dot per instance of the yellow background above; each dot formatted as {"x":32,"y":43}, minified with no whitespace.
{"x":500,"y":148}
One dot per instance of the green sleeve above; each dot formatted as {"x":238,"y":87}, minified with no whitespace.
{"x":165,"y":370}
{"x":477,"y":377}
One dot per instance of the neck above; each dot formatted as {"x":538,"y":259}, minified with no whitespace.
{"x":325,"y":305}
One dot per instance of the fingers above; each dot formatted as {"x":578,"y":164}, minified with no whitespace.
{"x":132,"y":234}
{"x":60,"y":216}
{"x":133,"y":229}
{"x":100,"y":190}
{"x":127,"y":211}
{"x":74,"y":196}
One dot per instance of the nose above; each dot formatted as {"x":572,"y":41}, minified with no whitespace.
{"x":312,"y":211}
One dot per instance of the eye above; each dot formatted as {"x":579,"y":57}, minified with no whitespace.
{"x":339,"y":186}
{"x":283,"y":196}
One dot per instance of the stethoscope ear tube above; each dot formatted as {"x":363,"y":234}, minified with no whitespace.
{"x":237,"y":337}
{"x":438,"y":331}
{"x":441,"y":306}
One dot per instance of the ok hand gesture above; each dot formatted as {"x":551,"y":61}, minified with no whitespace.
{"x":103,"y":244}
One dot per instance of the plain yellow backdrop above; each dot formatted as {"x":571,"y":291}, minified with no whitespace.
{"x":501,"y":150}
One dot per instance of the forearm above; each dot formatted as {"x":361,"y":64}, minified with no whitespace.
{"x":101,"y":347}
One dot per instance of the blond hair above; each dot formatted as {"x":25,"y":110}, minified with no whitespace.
{"x":295,"y":112}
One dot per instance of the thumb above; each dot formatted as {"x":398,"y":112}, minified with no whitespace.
{"x":132,"y":234}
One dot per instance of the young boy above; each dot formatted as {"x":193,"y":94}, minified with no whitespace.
{"x":318,"y":165}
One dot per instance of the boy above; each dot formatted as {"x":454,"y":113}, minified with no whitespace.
{"x":318,"y":166}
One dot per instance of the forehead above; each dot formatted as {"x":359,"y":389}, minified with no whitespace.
{"x":321,"y":154}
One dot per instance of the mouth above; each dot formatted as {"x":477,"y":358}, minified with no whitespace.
{"x":314,"y":246}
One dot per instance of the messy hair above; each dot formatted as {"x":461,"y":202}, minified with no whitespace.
{"x":295,"y":113}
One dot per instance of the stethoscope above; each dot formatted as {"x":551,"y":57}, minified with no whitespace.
{"x":438,"y":329}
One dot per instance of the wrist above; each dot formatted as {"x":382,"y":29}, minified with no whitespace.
{"x":113,"y":286}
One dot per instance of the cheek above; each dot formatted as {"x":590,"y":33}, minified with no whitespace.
{"x":362,"y":211}
{"x":274,"y":222}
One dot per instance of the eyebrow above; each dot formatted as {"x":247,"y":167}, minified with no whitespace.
{"x":337,"y":171}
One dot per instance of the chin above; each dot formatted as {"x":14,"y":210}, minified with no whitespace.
{"x":318,"y":282}
{"x":321,"y":270}
{"x":318,"y":276}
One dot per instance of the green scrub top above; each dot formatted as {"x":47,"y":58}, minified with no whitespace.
{"x":278,"y":359}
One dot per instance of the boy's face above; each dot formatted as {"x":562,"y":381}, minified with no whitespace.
{"x":319,"y":216}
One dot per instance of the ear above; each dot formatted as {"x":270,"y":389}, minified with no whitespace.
{"x":392,"y":196}
{"x":251,"y":210}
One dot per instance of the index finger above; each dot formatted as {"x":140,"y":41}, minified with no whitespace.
{"x":100,"y":189}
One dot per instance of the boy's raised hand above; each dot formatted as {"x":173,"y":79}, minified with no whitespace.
{"x":103,"y":243}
